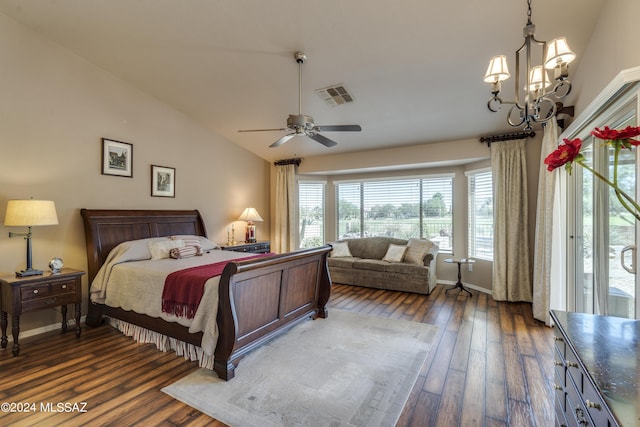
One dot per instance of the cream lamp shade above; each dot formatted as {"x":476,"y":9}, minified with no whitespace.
{"x":29,"y":213}
{"x":558,"y":52}
{"x":497,"y":70}
{"x":26,"y":213}
{"x":250,"y":215}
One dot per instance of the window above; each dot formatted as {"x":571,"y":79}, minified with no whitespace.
{"x":404,"y":208}
{"x":480,"y":200}
{"x":311,"y":213}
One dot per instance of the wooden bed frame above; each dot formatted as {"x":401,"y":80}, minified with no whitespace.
{"x":258,"y":299}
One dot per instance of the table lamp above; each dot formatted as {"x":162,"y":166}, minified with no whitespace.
{"x":29,"y":213}
{"x":250,"y":215}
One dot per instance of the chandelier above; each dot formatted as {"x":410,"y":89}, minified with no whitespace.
{"x":538,"y":101}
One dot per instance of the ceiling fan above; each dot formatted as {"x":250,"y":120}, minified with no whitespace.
{"x":300,"y":124}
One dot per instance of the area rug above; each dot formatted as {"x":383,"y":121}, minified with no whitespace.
{"x":347,"y":370}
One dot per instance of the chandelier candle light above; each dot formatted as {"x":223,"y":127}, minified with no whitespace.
{"x":250,"y":215}
{"x":28,"y":213}
{"x":537,"y":105}
{"x":568,"y":153}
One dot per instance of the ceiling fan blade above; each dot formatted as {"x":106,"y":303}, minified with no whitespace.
{"x":322,"y":139}
{"x":261,"y":130}
{"x":339,"y":128}
{"x":282,"y":140}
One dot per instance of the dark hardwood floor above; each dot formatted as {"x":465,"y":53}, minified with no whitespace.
{"x":491,"y":365}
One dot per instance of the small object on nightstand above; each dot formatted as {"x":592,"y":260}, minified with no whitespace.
{"x":256,"y":248}
{"x":55,"y":265}
{"x":22,"y":294}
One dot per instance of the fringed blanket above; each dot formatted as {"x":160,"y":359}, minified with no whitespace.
{"x":183,"y":289}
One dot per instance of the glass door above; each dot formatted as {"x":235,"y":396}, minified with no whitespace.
{"x":605,"y":233}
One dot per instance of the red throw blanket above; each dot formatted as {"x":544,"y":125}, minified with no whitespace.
{"x":183,"y":289}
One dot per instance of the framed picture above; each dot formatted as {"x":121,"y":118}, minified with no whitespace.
{"x":117,"y":158}
{"x":163,"y":181}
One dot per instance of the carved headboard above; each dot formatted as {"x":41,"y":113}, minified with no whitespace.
{"x":105,"y":229}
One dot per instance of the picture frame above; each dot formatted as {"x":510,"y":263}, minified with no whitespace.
{"x":163,"y":181}
{"x":117,"y":158}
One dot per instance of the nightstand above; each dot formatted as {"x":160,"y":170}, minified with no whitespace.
{"x":256,"y":248}
{"x":22,"y":294}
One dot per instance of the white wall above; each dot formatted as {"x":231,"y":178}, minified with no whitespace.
{"x":614,"y":46}
{"x":54,"y":109}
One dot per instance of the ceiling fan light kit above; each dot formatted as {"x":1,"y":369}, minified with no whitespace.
{"x":302,"y":124}
{"x":539,"y":104}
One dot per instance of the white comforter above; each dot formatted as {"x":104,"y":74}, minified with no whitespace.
{"x":131,"y":282}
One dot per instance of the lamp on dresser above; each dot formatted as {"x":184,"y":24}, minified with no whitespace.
{"x":29,"y":213}
{"x":250,"y":215}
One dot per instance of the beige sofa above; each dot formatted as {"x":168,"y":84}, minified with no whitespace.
{"x":380,"y":262}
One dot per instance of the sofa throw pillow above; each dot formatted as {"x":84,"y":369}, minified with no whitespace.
{"x":417,"y":249}
{"x":395,"y":253}
{"x":340,"y":250}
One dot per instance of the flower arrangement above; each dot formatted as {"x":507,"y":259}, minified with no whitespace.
{"x":568,"y":153}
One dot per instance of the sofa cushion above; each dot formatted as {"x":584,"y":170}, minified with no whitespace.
{"x":395,"y":253}
{"x":372,"y":247}
{"x":370,"y":264}
{"x":340,"y":249}
{"x":417,"y":249}
{"x":344,"y":262}
{"x":404,"y":268}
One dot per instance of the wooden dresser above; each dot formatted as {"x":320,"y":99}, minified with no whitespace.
{"x":256,"y":247}
{"x":597,"y":369}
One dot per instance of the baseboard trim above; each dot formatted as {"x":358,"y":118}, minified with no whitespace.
{"x":44,"y":329}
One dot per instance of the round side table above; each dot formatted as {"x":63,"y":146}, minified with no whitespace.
{"x":459,"y":284}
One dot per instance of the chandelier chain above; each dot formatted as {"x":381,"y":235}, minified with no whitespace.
{"x":529,"y":12}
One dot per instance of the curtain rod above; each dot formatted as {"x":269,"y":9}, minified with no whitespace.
{"x":295,"y":161}
{"x":507,"y":137}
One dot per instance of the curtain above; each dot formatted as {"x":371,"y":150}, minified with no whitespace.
{"x":284,"y":237}
{"x":544,"y":228}
{"x":511,"y":265}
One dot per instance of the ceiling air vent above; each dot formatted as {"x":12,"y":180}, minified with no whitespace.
{"x":335,"y":95}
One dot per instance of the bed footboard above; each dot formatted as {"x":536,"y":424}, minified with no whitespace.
{"x":260,"y":298}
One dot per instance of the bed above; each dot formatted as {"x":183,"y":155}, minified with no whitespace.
{"x":257,"y":298}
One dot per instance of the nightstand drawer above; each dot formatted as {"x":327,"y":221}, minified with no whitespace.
{"x":35,"y":291}
{"x":64,"y":287}
{"x":48,"y":301}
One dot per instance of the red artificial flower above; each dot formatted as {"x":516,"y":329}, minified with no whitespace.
{"x":618,"y":135}
{"x":565,"y":153}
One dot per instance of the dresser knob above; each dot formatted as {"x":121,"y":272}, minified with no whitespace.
{"x":64,"y":286}
{"x":572,"y":364}
{"x":558,"y":338}
{"x":558,"y":363}
{"x":557,"y":387}
{"x":35,"y":291}
{"x":593,"y":405}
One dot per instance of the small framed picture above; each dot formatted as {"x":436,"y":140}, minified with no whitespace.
{"x":117,"y":158}
{"x":163,"y":181}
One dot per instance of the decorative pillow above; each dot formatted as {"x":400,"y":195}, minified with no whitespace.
{"x":417,"y":249}
{"x":395,"y":253}
{"x":160,"y":249}
{"x":340,"y":250}
{"x":191,"y":240}
{"x":185,"y":252}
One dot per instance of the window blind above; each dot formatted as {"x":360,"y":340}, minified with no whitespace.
{"x":480,"y":210}
{"x":311,"y":214}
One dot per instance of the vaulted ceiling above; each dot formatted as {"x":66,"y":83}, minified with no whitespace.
{"x":414,"y":68}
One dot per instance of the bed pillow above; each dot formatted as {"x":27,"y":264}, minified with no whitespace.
{"x":417,"y":249}
{"x":185,"y":252}
{"x":395,"y":253}
{"x":340,"y":250}
{"x":205,"y":243}
{"x":160,"y":249}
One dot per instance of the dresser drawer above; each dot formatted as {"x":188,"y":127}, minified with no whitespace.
{"x":576,"y":413}
{"x":573,"y":370}
{"x":561,"y":420}
{"x":559,"y":343}
{"x":560,"y":389}
{"x":594,"y":405}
